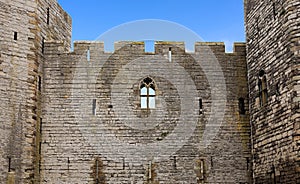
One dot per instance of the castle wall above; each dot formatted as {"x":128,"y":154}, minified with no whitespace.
{"x":95,"y":130}
{"x":273,"y":47}
{"x":22,"y":29}
{"x":76,"y":117}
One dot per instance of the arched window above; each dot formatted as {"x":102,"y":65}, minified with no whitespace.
{"x":262,"y":87}
{"x":147,"y":93}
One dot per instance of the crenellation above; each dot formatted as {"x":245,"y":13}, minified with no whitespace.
{"x":239,"y":48}
{"x":166,"y":47}
{"x":216,"y":47}
{"x":139,"y":46}
{"x":161,"y":47}
{"x":97,"y":47}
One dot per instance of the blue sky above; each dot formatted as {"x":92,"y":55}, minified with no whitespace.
{"x":212,"y":20}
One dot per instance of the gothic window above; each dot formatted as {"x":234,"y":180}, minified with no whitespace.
{"x":262,"y":87}
{"x":147,"y":93}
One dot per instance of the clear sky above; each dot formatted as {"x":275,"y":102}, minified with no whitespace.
{"x":212,"y":20}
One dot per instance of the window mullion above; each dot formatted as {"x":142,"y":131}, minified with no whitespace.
{"x":148,"y":107}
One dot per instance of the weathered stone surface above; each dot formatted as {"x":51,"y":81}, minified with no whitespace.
{"x":22,"y":29}
{"x":273,"y":46}
{"x":76,"y":117}
{"x":74,"y":138}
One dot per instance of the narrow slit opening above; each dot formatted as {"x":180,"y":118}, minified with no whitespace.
{"x":242,"y":106}
{"x":41,"y":125}
{"x":9,"y":164}
{"x":170,"y":54}
{"x":97,"y":170}
{"x":43,"y":45}
{"x":201,"y":169}
{"x":15,"y":36}
{"x":40,"y":148}
{"x":94,"y":106}
{"x":200,"y":106}
{"x":175,"y":162}
{"x":48,"y":16}
{"x":150,"y":170}
{"x":88,"y":55}
{"x":39,"y":83}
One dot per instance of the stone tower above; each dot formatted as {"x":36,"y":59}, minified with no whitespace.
{"x":25,"y":26}
{"x":273,"y":39}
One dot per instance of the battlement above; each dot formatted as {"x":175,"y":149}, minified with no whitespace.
{"x":81,"y":47}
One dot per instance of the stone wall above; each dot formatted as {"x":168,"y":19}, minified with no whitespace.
{"x":94,"y":129}
{"x":23,"y":30}
{"x":76,"y":117}
{"x":273,"y":53}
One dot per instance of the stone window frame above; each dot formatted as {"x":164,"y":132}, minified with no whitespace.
{"x":149,"y":84}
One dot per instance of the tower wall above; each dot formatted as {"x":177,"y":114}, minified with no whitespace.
{"x":25,"y":25}
{"x":272,"y":29}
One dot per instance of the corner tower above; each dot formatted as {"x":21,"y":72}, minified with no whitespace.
{"x":25,"y":26}
{"x":273,"y":51}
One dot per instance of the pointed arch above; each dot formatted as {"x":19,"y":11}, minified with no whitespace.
{"x":147,"y":93}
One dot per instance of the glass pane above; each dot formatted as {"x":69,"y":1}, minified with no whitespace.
{"x":143,"y":102}
{"x":144,"y":91}
{"x":152,"y":102}
{"x":151,"y":91}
